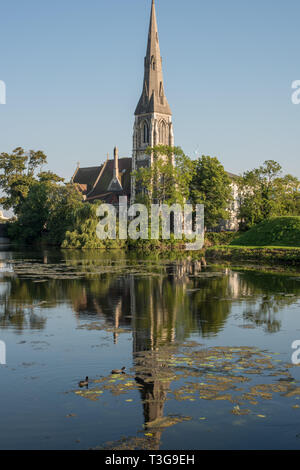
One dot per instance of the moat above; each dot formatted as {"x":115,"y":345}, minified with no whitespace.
{"x":207,"y":351}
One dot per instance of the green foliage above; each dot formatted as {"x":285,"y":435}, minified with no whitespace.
{"x":39,"y":200}
{"x":65,"y":201}
{"x":47,"y":210}
{"x":219,"y":238}
{"x":167,"y":180}
{"x":33,"y":214}
{"x":84,"y":235}
{"x":19,"y":171}
{"x":211,"y":186}
{"x":265,"y":193}
{"x":278,"y":231}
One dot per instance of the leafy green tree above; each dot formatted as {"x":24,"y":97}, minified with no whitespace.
{"x":48,"y":211}
{"x":41,"y":203}
{"x":288,"y":192}
{"x":211,"y":186}
{"x":83,"y":234}
{"x":65,"y":201}
{"x":265,"y":193}
{"x":33,"y":213}
{"x":167,"y":180}
{"x":17,"y":174}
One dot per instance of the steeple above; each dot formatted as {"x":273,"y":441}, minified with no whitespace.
{"x":153,"y":117}
{"x":153,"y":98}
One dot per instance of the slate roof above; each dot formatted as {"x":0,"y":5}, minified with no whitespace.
{"x":86,"y":177}
{"x":98,"y":180}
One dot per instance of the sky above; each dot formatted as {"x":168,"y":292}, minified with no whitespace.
{"x":74,"y":70}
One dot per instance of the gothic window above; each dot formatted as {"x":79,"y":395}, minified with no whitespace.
{"x":146,"y":133}
{"x":162,"y":133}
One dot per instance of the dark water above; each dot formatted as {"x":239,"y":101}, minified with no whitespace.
{"x":207,"y":352}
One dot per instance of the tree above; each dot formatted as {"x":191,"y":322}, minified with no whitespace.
{"x":83,"y":234}
{"x":33,"y":213}
{"x":265,"y":193}
{"x":48,"y":210}
{"x":167,"y":180}
{"x":41,"y":203}
{"x":211,"y":186}
{"x":19,"y":171}
{"x":65,"y":201}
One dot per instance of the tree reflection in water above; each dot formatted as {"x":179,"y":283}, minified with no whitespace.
{"x":161,"y":302}
{"x":171,"y":298}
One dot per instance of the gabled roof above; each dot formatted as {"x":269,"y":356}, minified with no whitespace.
{"x":103,"y":188}
{"x":87,"y":176}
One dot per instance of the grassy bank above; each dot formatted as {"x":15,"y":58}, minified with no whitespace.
{"x":275,"y":232}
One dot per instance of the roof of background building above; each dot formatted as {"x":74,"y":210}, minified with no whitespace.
{"x":94,"y":182}
{"x":103,"y":183}
{"x":87,"y":176}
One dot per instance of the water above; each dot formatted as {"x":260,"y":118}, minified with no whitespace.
{"x":196,"y":342}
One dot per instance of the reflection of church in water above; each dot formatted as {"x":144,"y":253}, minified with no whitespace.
{"x":158,"y":310}
{"x":161,"y":303}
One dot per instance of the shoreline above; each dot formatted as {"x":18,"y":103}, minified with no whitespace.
{"x":262,"y":254}
{"x":286,"y":255}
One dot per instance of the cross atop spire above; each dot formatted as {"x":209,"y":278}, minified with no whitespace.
{"x":153,"y":96}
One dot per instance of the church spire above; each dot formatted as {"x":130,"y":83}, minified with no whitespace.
{"x":153,"y":97}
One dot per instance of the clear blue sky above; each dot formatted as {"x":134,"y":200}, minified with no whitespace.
{"x":74,"y":72}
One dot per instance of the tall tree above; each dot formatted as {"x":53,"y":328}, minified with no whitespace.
{"x":211,"y":186}
{"x":265,"y":193}
{"x":167,"y":180}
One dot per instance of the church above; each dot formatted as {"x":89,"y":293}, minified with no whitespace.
{"x":152,"y":126}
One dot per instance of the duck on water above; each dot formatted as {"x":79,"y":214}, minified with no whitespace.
{"x":84,"y":383}
{"x":119,"y":371}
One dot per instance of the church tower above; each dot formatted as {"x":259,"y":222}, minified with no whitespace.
{"x":153,"y":116}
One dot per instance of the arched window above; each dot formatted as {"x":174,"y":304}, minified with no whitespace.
{"x":146,"y":133}
{"x":162,"y":132}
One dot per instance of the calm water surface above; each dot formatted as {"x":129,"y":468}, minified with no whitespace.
{"x":207,"y":352}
